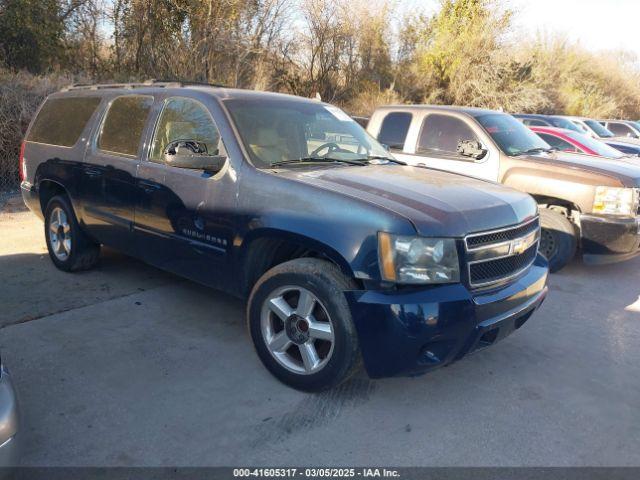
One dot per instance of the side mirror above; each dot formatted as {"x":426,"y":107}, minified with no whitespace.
{"x":209,"y":163}
{"x":193,"y":155}
{"x":472,"y":149}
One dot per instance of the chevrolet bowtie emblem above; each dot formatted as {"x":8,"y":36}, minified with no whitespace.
{"x":518,"y":246}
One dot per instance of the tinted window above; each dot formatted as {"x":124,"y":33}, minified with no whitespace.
{"x":184,"y":119}
{"x":621,"y":130}
{"x":598,"y":129}
{"x":564,"y":123}
{"x":394,"y":129}
{"x":62,"y":120}
{"x":123,"y":126}
{"x":535,"y":123}
{"x":558,"y":143}
{"x":596,"y":145}
{"x":443,"y":133}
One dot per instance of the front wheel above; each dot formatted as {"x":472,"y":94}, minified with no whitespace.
{"x":558,"y":240}
{"x":301,"y":325}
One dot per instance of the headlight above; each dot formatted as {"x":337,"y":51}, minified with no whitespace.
{"x":616,"y":201}
{"x":417,"y":259}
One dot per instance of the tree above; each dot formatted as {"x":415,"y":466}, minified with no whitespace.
{"x":31,"y":33}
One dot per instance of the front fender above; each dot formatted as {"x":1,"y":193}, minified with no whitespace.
{"x":575,"y":187}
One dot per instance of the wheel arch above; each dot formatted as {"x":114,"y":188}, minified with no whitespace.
{"x":264,"y":249}
{"x":556,"y":202}
{"x":47,"y":189}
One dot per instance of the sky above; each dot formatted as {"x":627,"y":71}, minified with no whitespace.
{"x":595,"y":24}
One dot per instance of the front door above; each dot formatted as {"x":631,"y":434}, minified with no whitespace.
{"x":183,"y":217}
{"x":436,"y":146}
{"x":107,"y":184}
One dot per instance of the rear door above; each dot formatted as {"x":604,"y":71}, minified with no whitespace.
{"x":108,"y":174}
{"x":184,"y":218}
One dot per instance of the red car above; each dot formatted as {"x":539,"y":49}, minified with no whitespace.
{"x":570,"y":141}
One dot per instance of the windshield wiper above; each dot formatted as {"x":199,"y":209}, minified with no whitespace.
{"x":389,"y":159}
{"x":318,"y":160}
{"x":538,"y":150}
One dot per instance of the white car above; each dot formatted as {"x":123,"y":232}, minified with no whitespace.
{"x":623,"y":128}
{"x":595,"y":129}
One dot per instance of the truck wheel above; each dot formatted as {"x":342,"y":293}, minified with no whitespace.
{"x":558,"y":239}
{"x":301,"y":325}
{"x":69,"y":248}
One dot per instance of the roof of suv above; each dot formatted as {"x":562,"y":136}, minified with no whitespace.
{"x":472,"y":111}
{"x":219,"y":91}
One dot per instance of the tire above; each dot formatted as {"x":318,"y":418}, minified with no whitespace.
{"x":328,"y":328}
{"x":69,"y":247}
{"x":558,"y":242}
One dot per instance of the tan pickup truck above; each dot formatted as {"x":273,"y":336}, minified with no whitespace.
{"x":586,"y":203}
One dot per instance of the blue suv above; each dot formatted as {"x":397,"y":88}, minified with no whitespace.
{"x":345,"y":254}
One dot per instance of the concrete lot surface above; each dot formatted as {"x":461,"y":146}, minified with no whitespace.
{"x":126,"y":365}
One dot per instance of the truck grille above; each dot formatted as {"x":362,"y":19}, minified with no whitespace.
{"x":499,"y":255}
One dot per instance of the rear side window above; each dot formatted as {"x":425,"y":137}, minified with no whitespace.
{"x":442,"y":133}
{"x":394,"y":129}
{"x":62,"y":120}
{"x":124,"y":124}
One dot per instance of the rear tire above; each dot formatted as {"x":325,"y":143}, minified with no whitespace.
{"x":558,"y":240}
{"x":301,"y":324}
{"x":69,"y":247}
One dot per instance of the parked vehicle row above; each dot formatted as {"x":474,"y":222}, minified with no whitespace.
{"x":586,"y":202}
{"x":346,"y":255}
{"x":576,"y":142}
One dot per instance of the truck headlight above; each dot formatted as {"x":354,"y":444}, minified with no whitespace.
{"x":616,"y":201}
{"x":418,"y":260}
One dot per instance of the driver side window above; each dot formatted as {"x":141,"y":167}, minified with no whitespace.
{"x":184,"y":119}
{"x":440,"y":135}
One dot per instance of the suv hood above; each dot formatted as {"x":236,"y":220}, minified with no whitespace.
{"x":438,"y":203}
{"x":626,"y":170}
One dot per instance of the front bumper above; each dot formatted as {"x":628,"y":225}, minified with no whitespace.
{"x":412,"y":332}
{"x":9,"y":422}
{"x":609,"y":239}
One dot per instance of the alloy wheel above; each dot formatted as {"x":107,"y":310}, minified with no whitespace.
{"x":60,"y":233}
{"x":297,"y":330}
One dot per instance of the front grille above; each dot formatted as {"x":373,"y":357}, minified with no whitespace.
{"x":502,"y":235}
{"x":496,"y":256}
{"x":495,"y":270}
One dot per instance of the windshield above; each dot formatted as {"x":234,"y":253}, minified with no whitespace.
{"x":513,"y":137}
{"x":597,"y":146}
{"x":598,"y":129}
{"x":564,"y":123}
{"x":276,"y":131}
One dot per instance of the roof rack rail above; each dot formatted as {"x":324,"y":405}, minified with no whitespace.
{"x":146,"y":83}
